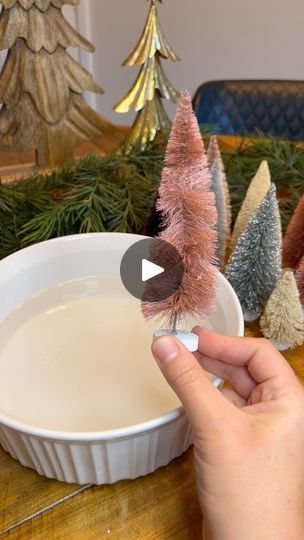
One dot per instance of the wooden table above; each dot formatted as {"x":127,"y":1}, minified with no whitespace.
{"x":160,"y":506}
{"x":15,"y":165}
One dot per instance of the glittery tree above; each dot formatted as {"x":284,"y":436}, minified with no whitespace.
{"x":255,"y":264}
{"x":187,"y":204}
{"x":300,"y":279}
{"x":213,"y":154}
{"x":41,"y":86}
{"x":218,"y":188}
{"x":151,"y":85}
{"x":256,"y":192}
{"x":293,"y":243}
{"x":282,"y":320}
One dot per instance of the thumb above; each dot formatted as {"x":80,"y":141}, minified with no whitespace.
{"x":203,"y":403}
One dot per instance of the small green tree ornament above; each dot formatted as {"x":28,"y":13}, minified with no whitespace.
{"x":282,"y":320}
{"x":255,"y":264}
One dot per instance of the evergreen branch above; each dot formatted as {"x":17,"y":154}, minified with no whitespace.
{"x":286,"y":164}
{"x":114,"y":193}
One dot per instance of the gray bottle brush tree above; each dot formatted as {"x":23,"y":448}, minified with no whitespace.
{"x":255,"y":264}
{"x":214,"y":153}
{"x":220,"y":198}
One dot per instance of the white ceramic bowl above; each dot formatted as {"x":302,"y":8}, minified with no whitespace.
{"x":81,"y":399}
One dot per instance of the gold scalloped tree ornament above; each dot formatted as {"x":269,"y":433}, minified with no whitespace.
{"x":41,"y":85}
{"x":150,"y":87}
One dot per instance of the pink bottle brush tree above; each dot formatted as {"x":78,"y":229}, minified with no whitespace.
{"x":300,"y":279}
{"x":293,"y":243}
{"x":187,"y":205}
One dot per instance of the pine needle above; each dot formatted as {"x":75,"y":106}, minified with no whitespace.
{"x":286,"y":164}
{"x":115,"y":193}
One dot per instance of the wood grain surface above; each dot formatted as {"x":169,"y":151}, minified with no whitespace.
{"x":160,"y":506}
{"x":14,"y":165}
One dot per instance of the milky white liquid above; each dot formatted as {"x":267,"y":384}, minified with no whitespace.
{"x":77,"y":357}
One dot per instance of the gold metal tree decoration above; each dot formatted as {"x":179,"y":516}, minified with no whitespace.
{"x":151,"y":85}
{"x":41,"y":85}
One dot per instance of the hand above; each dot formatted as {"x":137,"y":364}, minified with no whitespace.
{"x":248,"y":440}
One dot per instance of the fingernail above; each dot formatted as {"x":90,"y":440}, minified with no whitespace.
{"x":198,"y":329}
{"x":164,"y":349}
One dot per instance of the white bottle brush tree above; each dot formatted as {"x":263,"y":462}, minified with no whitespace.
{"x":255,"y":194}
{"x":221,"y":206}
{"x":214,"y":155}
{"x":282,"y":320}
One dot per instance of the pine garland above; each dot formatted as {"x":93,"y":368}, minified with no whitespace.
{"x":115,"y":193}
{"x":92,"y":195}
{"x":286,"y":164}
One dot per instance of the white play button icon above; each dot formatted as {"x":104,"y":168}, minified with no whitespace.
{"x":150,"y":270}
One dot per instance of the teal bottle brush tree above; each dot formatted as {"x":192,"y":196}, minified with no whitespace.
{"x":254,"y":267}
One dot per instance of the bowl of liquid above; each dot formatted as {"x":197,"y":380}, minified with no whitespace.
{"x":81,"y":398}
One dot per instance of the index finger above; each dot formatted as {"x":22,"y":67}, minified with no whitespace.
{"x":202,"y":401}
{"x":262,"y":360}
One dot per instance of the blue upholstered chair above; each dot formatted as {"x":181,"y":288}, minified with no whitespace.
{"x":242,"y":107}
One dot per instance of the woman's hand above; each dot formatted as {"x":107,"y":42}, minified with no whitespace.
{"x":248,"y":439}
